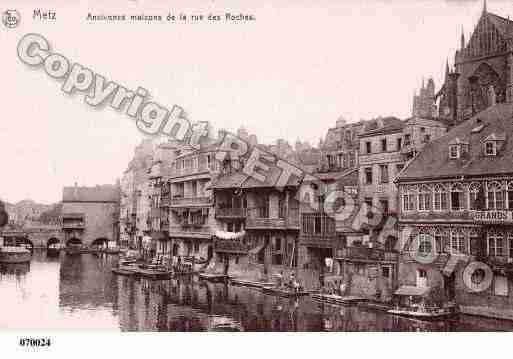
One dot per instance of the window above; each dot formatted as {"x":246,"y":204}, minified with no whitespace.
{"x":425,"y":245}
{"x":399,"y":167}
{"x":440,"y":240}
{"x":495,"y":243}
{"x":510,"y":244}
{"x":427,"y":138}
{"x":422,"y":129}
{"x":407,"y":139}
{"x":473,"y":193}
{"x":495,"y":196}
{"x":421,"y":273}
{"x":457,"y":242}
{"x":454,"y":151}
{"x":408,"y":200}
{"x":457,"y":198}
{"x":500,"y":285}
{"x":368,"y":201}
{"x":425,"y":198}
{"x":368,"y":148}
{"x":510,"y":195}
{"x":384,"y":145}
{"x":196,"y":247}
{"x":441,"y":196}
{"x":399,"y":143}
{"x":383,"y":169}
{"x":368,"y":175}
{"x":386,"y":272}
{"x":490,"y":148}
{"x":474,"y":244}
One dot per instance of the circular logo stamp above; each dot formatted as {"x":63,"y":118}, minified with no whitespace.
{"x":11,"y":18}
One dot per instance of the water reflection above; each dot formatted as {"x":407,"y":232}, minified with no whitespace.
{"x":79,"y":292}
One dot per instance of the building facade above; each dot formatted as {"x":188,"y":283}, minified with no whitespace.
{"x":90,"y":215}
{"x":456,"y":200}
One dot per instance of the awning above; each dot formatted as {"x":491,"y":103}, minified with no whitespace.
{"x":229,"y":235}
{"x":413,"y":290}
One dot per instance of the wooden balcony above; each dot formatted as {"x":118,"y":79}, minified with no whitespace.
{"x":231,"y":213}
{"x":365,"y":254}
{"x":259,"y":219}
{"x":191,"y":231}
{"x":190,"y":201}
{"x":230,"y":246}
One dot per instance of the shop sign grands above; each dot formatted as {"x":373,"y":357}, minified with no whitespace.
{"x":493,"y":216}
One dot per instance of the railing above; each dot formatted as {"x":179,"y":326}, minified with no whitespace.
{"x":232,"y":246}
{"x":178,"y":172}
{"x":191,"y":229}
{"x":231,"y":212}
{"x":186,"y":201}
{"x":73,"y":225}
{"x":365,"y":253}
{"x":317,"y":225}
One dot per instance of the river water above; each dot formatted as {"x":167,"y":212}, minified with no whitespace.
{"x":81,"y":293}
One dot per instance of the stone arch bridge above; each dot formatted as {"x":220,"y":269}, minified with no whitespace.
{"x":35,"y":237}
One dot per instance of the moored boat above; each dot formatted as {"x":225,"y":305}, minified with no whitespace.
{"x":284,"y":292}
{"x":423,"y":312}
{"x":15,"y":255}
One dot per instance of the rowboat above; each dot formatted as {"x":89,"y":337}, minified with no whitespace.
{"x":249,"y":283}
{"x":423,"y":313}
{"x":338,"y":299}
{"x":283,"y":292}
{"x":213,"y":277}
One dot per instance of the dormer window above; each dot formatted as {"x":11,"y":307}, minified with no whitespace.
{"x":454,"y":151}
{"x":457,"y":148}
{"x":493,"y":143}
{"x":490,"y":148}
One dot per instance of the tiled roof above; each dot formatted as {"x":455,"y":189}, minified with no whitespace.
{"x":382,"y":125}
{"x":104,"y":193}
{"x":434,"y":160}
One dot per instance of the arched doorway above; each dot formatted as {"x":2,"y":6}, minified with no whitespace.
{"x":53,"y":246}
{"x":100,"y":243}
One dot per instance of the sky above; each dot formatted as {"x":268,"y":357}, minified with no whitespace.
{"x":289,"y":74}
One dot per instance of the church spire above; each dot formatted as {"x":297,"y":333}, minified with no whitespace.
{"x":462,"y":38}
{"x":484,"y":7}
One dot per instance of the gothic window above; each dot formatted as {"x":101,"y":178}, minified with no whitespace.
{"x":425,"y":196}
{"x":457,"y":203}
{"x":408,"y":199}
{"x":473,"y":243}
{"x":510,"y":195}
{"x":495,"y":243}
{"x":457,"y":242}
{"x":441,"y":196}
{"x":440,"y":240}
{"x":473,"y":192}
{"x":495,"y":196}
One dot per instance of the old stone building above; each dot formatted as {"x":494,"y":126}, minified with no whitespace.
{"x":456,"y":201}
{"x":483,"y":69}
{"x":424,"y":104}
{"x":90,"y":215}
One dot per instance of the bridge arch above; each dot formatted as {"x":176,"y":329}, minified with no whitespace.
{"x":101,"y":242}
{"x":52,"y":242}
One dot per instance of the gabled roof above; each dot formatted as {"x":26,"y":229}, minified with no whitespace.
{"x":494,"y":137}
{"x":434,"y":162}
{"x":382,"y":125}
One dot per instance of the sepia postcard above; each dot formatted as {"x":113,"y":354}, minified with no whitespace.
{"x":276,"y":166}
